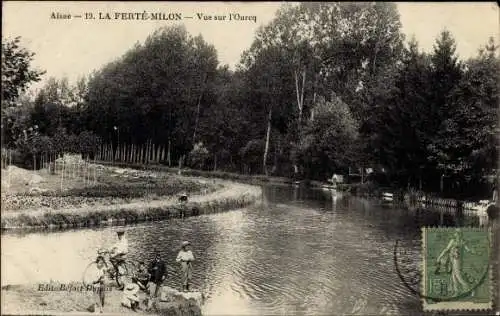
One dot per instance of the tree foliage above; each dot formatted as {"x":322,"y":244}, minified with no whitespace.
{"x":324,"y":87}
{"x":17,"y":72}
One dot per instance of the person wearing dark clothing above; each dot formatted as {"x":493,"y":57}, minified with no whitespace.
{"x":142,"y":276}
{"x":157,"y":271}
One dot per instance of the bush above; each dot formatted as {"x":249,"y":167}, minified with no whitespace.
{"x":198,"y":156}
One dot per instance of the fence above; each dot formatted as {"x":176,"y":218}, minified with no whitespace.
{"x":132,"y":153}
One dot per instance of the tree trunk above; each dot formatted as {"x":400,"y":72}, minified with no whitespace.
{"x":300,"y":92}
{"x":198,"y":109}
{"x":268,"y":135}
{"x":215,"y":162}
{"x":162,"y":153}
{"x":143,"y":153}
{"x":169,"y":154}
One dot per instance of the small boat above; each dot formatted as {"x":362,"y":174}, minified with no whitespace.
{"x":482,"y":206}
{"x":387,"y":197}
{"x":328,"y":187}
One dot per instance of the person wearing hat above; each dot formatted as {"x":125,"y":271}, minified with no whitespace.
{"x":157,"y":270}
{"x":130,"y":297}
{"x":119,"y":249}
{"x":185,"y":258}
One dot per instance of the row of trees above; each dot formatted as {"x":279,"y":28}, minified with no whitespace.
{"x":323,"y":88}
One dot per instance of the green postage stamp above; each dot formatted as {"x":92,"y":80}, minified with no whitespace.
{"x":456,"y":272}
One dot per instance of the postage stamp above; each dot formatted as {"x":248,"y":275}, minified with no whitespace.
{"x":456,"y":272}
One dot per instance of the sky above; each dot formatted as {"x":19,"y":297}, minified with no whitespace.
{"x":77,"y":46}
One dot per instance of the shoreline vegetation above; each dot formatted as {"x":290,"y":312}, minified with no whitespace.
{"x":410,"y":198}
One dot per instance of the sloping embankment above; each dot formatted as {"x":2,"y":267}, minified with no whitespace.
{"x":30,"y":300}
{"x":231,"y":196}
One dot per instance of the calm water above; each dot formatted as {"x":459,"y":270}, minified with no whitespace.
{"x":300,"y":252}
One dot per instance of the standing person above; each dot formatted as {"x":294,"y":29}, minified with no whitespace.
{"x":453,"y":255}
{"x":185,"y":258}
{"x":157,"y":271}
{"x":99,"y":282}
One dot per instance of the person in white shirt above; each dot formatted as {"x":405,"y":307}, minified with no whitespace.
{"x":185,"y":258}
{"x":99,"y":282}
{"x":119,"y":249}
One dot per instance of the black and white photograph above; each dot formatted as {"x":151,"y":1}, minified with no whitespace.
{"x":250,"y":158}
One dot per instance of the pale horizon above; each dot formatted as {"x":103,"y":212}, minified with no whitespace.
{"x":75,"y":48}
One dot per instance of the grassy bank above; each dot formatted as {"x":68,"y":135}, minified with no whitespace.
{"x":241,"y":196}
{"x":114,"y":186}
{"x":122,"y":196}
{"x":254,"y":179}
{"x":23,"y":299}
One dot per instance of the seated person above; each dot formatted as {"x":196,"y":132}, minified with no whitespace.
{"x":130,"y":298}
{"x":142,"y":276}
{"x":119,"y":249}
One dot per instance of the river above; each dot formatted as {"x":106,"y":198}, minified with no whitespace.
{"x":301,"y":251}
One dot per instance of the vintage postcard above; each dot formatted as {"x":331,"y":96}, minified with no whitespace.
{"x":249,"y":158}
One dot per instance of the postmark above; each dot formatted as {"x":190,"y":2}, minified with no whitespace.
{"x":456,"y":272}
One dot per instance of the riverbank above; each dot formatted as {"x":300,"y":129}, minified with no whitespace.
{"x":158,"y":200}
{"x":36,"y":300}
{"x":242,"y":178}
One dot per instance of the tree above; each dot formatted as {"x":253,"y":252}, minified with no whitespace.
{"x":17,"y":72}
{"x":325,"y":47}
{"x":401,"y":134}
{"x":445,"y":75}
{"x":327,"y":140}
{"x":467,"y":137}
{"x":155,"y":93}
{"x":198,"y":156}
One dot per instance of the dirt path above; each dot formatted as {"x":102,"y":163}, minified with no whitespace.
{"x":230,"y":190}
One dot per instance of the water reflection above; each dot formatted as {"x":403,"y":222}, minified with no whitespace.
{"x":299,"y":252}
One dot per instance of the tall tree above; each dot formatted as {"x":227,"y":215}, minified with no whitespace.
{"x":445,"y":75}
{"x":17,"y":71}
{"x":401,"y":136}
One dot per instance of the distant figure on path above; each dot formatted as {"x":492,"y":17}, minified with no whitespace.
{"x":185,"y":258}
{"x":157,"y":271}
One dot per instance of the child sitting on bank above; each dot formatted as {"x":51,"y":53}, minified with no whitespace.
{"x":130,"y":298}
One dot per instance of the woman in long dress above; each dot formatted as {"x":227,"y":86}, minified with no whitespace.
{"x":185,"y":258}
{"x":453,"y":253}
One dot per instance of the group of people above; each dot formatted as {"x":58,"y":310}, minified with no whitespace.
{"x":147,"y":279}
